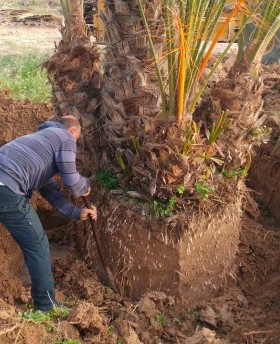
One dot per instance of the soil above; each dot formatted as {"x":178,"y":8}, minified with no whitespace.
{"x":248,"y":313}
{"x":265,"y":171}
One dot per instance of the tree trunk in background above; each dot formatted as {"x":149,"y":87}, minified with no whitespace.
{"x":74,"y":70}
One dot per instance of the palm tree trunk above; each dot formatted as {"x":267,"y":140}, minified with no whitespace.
{"x":131,"y":98}
{"x":74,"y":70}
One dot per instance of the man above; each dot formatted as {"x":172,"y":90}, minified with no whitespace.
{"x":29,"y":163}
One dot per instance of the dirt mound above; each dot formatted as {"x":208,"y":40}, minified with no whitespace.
{"x":20,"y":117}
{"x":248,"y":313}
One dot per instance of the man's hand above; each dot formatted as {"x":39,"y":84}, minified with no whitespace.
{"x":87,"y":193}
{"x":86,"y":212}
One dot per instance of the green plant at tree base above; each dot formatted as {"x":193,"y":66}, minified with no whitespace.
{"x":218,"y":127}
{"x":161,"y":319}
{"x":107,"y":179}
{"x":204,"y":190}
{"x":136,"y":144}
{"x":235,"y":173}
{"x":180,"y":189}
{"x":162,"y":209}
{"x":121,"y":162}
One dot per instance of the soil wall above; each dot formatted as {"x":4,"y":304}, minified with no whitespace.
{"x":11,"y":260}
{"x":11,"y":257}
{"x":187,"y":256}
{"x":207,"y":252}
{"x":264,"y":174}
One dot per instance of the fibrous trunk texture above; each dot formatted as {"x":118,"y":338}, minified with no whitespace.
{"x":74,"y":70}
{"x":131,"y":107}
{"x":131,"y":96}
{"x":241,"y":94}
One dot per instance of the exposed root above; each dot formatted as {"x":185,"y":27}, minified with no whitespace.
{"x":7,"y":330}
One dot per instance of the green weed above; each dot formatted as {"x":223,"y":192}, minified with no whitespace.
{"x":136,"y":145}
{"x":23,"y":76}
{"x":44,"y":317}
{"x":204,"y":190}
{"x":162,"y":209}
{"x":235,"y":173}
{"x":121,"y":162}
{"x":107,"y":179}
{"x":48,"y":327}
{"x":37,"y":316}
{"x":180,"y":189}
{"x":58,"y":312}
{"x":161,"y":319}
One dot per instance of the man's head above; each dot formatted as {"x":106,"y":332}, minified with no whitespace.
{"x":72,"y":125}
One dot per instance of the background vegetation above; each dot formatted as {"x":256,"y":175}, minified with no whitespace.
{"x":23,"y":76}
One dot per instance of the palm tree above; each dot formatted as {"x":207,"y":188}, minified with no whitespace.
{"x":173,"y":223}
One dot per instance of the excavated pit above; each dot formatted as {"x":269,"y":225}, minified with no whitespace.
{"x":264,"y":174}
{"x":241,"y":311}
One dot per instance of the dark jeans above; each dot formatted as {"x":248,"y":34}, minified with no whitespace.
{"x":23,"y":223}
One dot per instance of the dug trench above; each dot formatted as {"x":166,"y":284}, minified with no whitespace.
{"x":246,"y":311}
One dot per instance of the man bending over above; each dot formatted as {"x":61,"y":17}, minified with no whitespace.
{"x":29,"y":163}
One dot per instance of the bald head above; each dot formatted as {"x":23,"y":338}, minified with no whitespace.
{"x":72,"y":125}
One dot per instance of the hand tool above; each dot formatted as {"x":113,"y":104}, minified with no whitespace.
{"x":98,"y":246}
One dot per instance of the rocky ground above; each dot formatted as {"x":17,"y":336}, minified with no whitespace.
{"x":248,"y":313}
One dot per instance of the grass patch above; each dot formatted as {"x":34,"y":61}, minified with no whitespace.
{"x":39,"y":316}
{"x":23,"y":76}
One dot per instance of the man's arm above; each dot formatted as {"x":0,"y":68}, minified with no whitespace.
{"x":51,"y":193}
{"x":65,"y":159}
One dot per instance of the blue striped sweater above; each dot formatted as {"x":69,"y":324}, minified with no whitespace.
{"x":30,"y":162}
